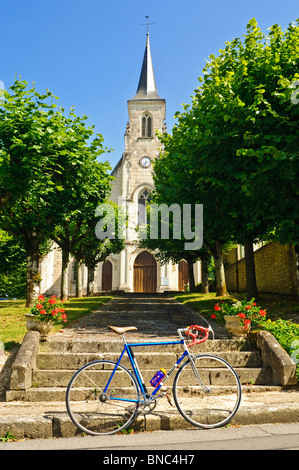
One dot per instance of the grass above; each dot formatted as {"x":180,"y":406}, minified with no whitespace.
{"x":13,"y":323}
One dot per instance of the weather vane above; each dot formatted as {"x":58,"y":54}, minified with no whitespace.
{"x":147,"y":23}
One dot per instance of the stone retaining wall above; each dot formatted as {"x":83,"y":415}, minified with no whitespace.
{"x":275,"y":267}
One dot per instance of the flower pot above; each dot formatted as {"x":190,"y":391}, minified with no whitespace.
{"x":35,"y":324}
{"x":234,"y":326}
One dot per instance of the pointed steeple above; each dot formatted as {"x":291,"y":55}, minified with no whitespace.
{"x":147,"y":88}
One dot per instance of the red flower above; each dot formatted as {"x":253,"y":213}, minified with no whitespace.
{"x":253,"y":304}
{"x":241,"y":315}
{"x":63,"y":317}
{"x":39,"y":305}
{"x":213,"y":316}
{"x":52,"y":301}
{"x":217,"y":308}
{"x":41,"y":297}
{"x":61,"y":310}
{"x":262,"y":313}
{"x":42,"y":312}
{"x":246,"y":324}
{"x":248,"y":307}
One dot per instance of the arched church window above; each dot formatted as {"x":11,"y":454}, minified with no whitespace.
{"x":146,"y":125}
{"x":143,"y":201}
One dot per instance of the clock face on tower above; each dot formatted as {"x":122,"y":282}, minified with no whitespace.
{"x":145,"y":162}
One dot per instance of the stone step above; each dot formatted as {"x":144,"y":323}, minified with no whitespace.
{"x":57,"y":394}
{"x":102,"y":346}
{"x":61,"y":378}
{"x":154,"y":360}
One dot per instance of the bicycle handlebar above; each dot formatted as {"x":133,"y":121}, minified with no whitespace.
{"x":194,"y":336}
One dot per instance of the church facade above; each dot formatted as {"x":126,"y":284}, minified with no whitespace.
{"x":134,"y":269}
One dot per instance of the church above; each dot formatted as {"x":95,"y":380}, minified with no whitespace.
{"x":134,"y":269}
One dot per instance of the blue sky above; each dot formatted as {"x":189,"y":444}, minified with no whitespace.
{"x":89,"y":52}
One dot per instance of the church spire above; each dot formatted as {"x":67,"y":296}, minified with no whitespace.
{"x":147,"y":88}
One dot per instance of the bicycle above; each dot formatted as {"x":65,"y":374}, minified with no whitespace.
{"x":103,"y":396}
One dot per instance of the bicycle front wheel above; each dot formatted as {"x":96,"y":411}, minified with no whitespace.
{"x":207,"y":391}
{"x":95,"y":410}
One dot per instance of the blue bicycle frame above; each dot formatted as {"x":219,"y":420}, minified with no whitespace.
{"x":128,"y":349}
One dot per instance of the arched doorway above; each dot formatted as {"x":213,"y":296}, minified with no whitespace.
{"x":145,"y":273}
{"x":107,"y":275}
{"x":183,"y":275}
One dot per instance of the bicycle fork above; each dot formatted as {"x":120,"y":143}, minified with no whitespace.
{"x":197,"y":376}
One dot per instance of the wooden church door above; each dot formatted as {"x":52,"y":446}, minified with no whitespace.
{"x":145,"y":273}
{"x":107,"y":276}
{"x":183,"y":275}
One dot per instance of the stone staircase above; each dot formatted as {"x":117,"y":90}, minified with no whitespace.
{"x":57,"y":360}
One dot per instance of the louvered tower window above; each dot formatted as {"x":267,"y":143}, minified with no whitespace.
{"x":146,"y":128}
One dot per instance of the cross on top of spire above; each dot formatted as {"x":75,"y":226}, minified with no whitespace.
{"x":147,"y":88}
{"x":147,"y":24}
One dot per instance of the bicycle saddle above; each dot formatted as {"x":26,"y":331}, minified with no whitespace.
{"x":121,"y":331}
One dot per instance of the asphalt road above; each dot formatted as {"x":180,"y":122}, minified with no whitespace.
{"x":181,"y":444}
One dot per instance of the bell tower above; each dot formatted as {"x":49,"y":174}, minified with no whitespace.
{"x":146,"y":115}
{"x":133,"y":183}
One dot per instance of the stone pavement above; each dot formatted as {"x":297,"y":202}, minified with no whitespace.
{"x":156,"y":317}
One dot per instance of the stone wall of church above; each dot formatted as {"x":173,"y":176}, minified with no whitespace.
{"x":50,"y":271}
{"x":275,"y":267}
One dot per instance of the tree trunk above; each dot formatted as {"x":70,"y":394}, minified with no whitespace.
{"x":191,"y":276}
{"x":32,"y":270}
{"x":296,"y":248}
{"x":219,"y":269}
{"x":204,"y":273}
{"x":64,"y":275}
{"x":251,"y":287}
{"x":79,"y":278}
{"x":90,"y":280}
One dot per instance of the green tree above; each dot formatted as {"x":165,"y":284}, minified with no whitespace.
{"x":28,"y":151}
{"x":12,"y":267}
{"x":241,"y":131}
{"x":84,"y":183}
{"x":43,"y":154}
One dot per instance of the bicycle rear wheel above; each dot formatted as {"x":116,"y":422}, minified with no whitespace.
{"x":207,"y":392}
{"x":97,"y":413}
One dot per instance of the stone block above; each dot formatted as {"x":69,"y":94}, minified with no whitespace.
{"x":26,"y":427}
{"x":25,"y":362}
{"x":282,"y":365}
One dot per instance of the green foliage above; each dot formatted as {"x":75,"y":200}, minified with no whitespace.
{"x":8,"y":437}
{"x":50,"y":178}
{"x":13,"y":285}
{"x":237,"y":145}
{"x":287,"y":334}
{"x":235,"y":148}
{"x":12,"y":267}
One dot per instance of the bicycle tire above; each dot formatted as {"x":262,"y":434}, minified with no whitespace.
{"x":95,"y":413}
{"x":213,"y":402}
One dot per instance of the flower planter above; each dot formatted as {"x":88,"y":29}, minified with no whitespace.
{"x":234,"y":326}
{"x":33,"y":323}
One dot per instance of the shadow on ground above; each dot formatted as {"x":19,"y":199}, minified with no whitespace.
{"x":153,"y":315}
